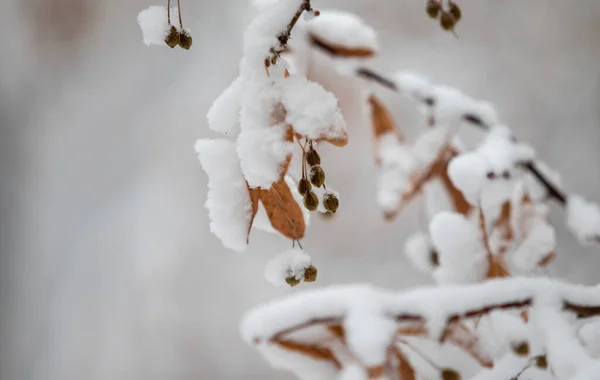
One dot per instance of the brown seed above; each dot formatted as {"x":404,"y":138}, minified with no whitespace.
{"x":456,"y":12}
{"x":521,"y":348}
{"x":331,"y":202}
{"x":450,"y":374}
{"x":292,"y":281}
{"x":310,"y":274}
{"x":541,"y":362}
{"x":433,"y":8}
{"x":172,"y":39}
{"x":185,"y":39}
{"x":311,"y":201}
{"x":317,"y":176}
{"x":447,"y":21}
{"x":304,"y":186}
{"x":312,"y":157}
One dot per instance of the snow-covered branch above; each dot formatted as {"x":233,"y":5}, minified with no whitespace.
{"x":369,"y":318}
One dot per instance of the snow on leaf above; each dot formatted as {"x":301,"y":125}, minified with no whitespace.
{"x":264,"y":145}
{"x":224,"y":114}
{"x":422,"y":254}
{"x":291,"y":263}
{"x":468,"y":172}
{"x":154,"y":24}
{"x":229,"y":204}
{"x":312,"y":111}
{"x":381,"y":119}
{"x":343,"y":33}
{"x":583,"y":218}
{"x":462,"y":255}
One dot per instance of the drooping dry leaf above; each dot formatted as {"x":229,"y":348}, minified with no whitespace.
{"x":254,"y":196}
{"x":375,"y":372}
{"x":497,"y":268}
{"x":405,"y":371}
{"x":339,"y":141}
{"x":340,"y":50}
{"x":289,"y":137}
{"x":283,"y":211}
{"x":381,"y":120}
{"x":418,"y":180}
{"x":459,"y":202}
{"x":312,"y":351}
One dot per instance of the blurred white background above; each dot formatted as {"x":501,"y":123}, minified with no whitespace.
{"x":108,"y":269}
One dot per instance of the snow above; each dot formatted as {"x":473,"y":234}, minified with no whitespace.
{"x":396,"y":163}
{"x":433,"y":304}
{"x":429,"y":144}
{"x":583,"y":218}
{"x":540,"y":241}
{"x":261,"y":35}
{"x":414,"y":86}
{"x":155,"y":26}
{"x":459,"y":244}
{"x":468,"y":174}
{"x":262,"y":145}
{"x":228,"y":201}
{"x":313,"y":111}
{"x":291,"y":263}
{"x":418,"y":249}
{"x":224,"y":114}
{"x":353,"y":372}
{"x":343,"y":29}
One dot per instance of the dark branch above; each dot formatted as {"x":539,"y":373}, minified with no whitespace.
{"x":553,"y":191}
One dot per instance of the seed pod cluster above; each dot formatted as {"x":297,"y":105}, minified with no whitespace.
{"x":315,"y":177}
{"x":175,"y":37}
{"x":448,"y":17}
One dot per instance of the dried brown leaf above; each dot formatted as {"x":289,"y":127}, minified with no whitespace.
{"x":283,"y":211}
{"x":405,"y":371}
{"x":381,"y":120}
{"x":312,"y":351}
{"x":254,"y":196}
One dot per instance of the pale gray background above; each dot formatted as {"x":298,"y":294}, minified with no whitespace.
{"x":108,"y":269}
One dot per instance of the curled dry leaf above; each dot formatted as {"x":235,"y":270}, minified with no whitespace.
{"x":405,"y":371}
{"x":254,"y":197}
{"x":283,"y":211}
{"x":341,"y":50}
{"x":381,"y":119}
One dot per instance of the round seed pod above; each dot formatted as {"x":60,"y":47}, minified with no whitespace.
{"x":521,"y":348}
{"x":310,"y":274}
{"x":312,"y":157}
{"x":292,"y":281}
{"x":185,"y":39}
{"x":311,"y":201}
{"x":433,"y":8}
{"x":447,"y":21}
{"x":304,"y":186}
{"x":317,"y":176}
{"x":541,"y":362}
{"x":331,"y":202}
{"x":172,"y":38}
{"x":450,"y":374}
{"x":456,"y":12}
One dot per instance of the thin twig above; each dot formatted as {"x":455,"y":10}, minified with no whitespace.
{"x":179,"y":12}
